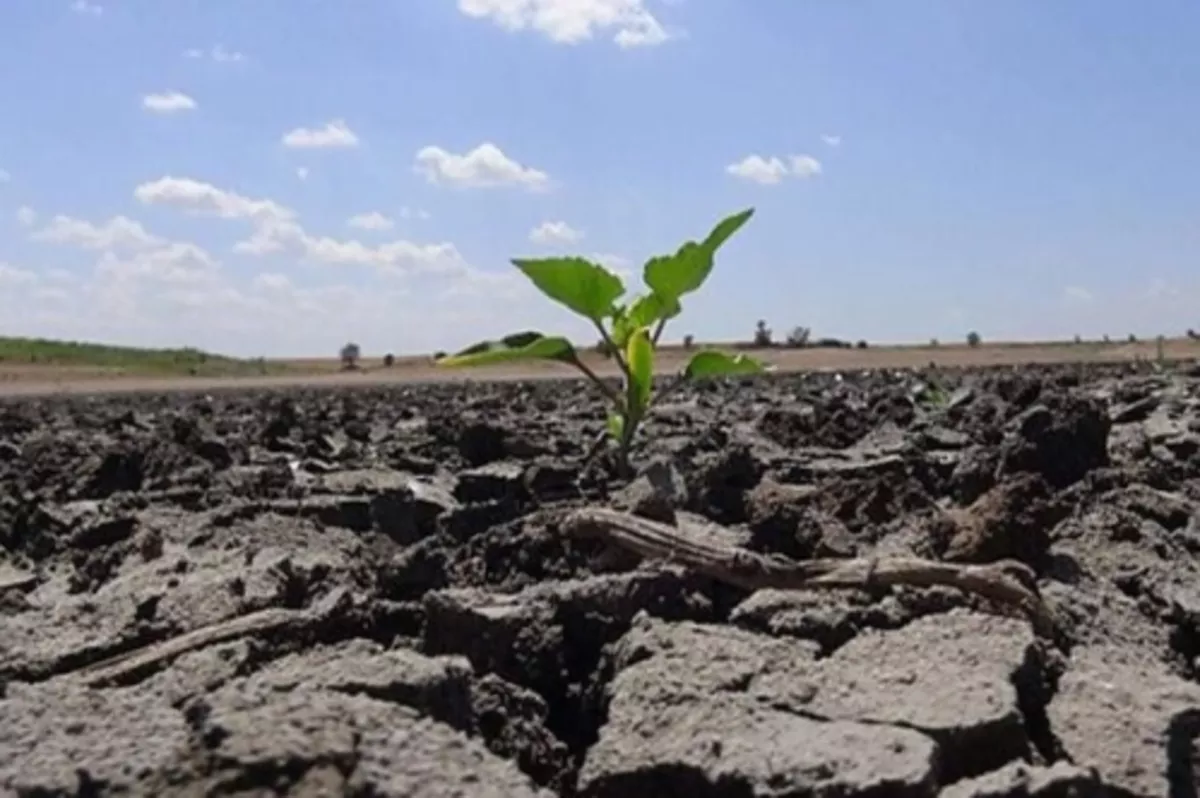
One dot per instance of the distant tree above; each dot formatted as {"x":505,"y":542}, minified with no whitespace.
{"x":973,"y":339}
{"x":798,"y":337}
{"x":762,"y":334}
{"x":861,"y":344}
{"x":1193,"y":335}
{"x":439,"y":355}
{"x":389,"y":360}
{"x":935,"y":343}
{"x":603,"y":348}
{"x":350,"y":355}
{"x":1078,"y":339}
{"x":689,"y":341}
{"x":1107,"y":340}
{"x":1132,"y":338}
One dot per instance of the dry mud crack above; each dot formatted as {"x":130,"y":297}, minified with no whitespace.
{"x":415,"y":591}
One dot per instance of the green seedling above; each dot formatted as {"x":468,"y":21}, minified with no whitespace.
{"x":630,"y":329}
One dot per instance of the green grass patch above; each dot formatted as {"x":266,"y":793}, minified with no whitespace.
{"x":128,"y":360}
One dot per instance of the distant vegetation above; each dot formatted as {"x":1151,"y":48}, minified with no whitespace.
{"x":127,"y":359}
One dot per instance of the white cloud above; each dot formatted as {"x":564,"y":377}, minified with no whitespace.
{"x":205,"y":199}
{"x":128,"y":251}
{"x":86,"y":8}
{"x":771,"y":170}
{"x":272,"y":280}
{"x":137,"y":286}
{"x":371,"y":221}
{"x":572,"y":21}
{"x":12,"y":276}
{"x":554,"y":233}
{"x":805,"y":166}
{"x":1161,"y":289}
{"x":118,"y":233}
{"x":832,"y":141}
{"x":217,"y":54}
{"x":276,"y":231}
{"x":172,"y":262}
{"x":394,"y":257}
{"x":413,"y":213}
{"x":483,"y":167}
{"x":334,"y":134}
{"x":4,"y":176}
{"x":302,"y":172}
{"x":26,"y":216}
{"x":168,"y":102}
{"x":755,"y":168}
{"x":1077,"y":295}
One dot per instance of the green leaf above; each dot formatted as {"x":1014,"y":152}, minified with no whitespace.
{"x":712,"y":363}
{"x":650,"y":308}
{"x":616,"y":425}
{"x":639,"y":354}
{"x":587,"y":288}
{"x":644,"y":311}
{"x":672,"y":276}
{"x":518,"y":346}
{"x":726,"y":228}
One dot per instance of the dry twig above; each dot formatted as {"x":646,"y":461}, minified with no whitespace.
{"x":1007,"y":582}
{"x":124,"y":667}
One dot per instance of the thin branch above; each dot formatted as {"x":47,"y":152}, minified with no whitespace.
{"x":1007,"y":582}
{"x":121,"y":668}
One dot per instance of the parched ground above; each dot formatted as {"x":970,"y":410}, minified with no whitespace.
{"x":374,"y":592}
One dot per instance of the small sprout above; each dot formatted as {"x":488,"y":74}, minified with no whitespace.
{"x":629,"y":331}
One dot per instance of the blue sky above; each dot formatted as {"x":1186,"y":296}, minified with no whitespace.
{"x":280,"y":176}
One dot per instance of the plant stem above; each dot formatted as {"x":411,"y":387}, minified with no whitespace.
{"x":658,"y":330}
{"x":617,"y":354}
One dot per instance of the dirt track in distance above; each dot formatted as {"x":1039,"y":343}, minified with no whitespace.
{"x":315,"y":372}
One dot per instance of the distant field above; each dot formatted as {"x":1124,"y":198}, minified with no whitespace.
{"x":39,"y":358}
{"x":31,"y":367}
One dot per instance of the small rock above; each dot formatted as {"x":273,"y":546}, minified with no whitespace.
{"x":499,"y":481}
{"x":1022,"y":780}
{"x":656,"y":493}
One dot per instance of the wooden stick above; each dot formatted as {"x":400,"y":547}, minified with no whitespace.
{"x":123,"y":667}
{"x":1008,"y":582}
